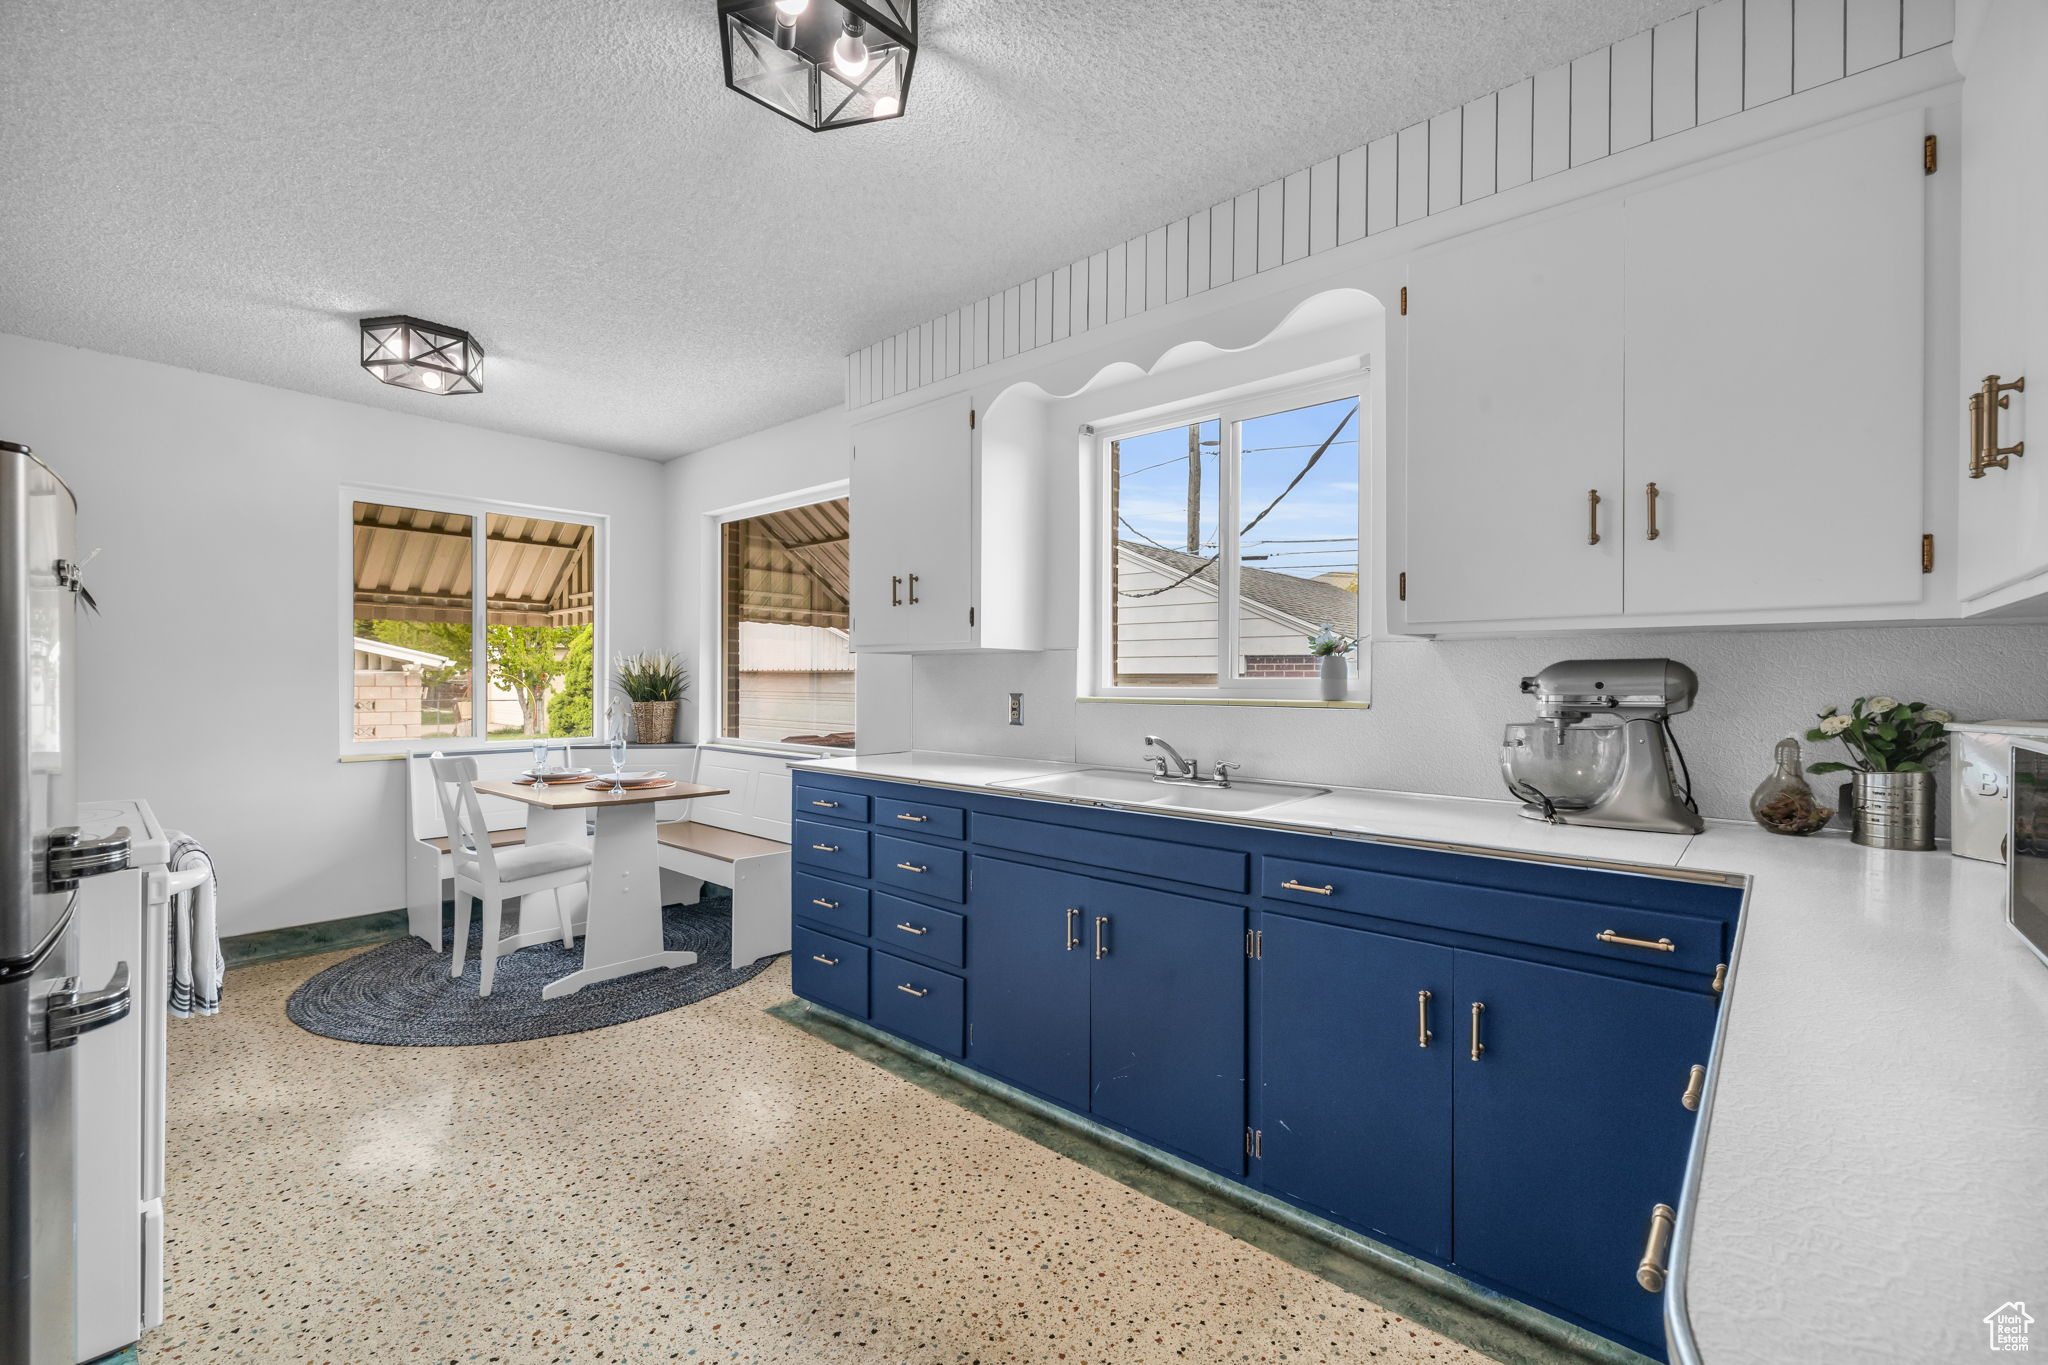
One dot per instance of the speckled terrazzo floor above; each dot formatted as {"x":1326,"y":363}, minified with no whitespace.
{"x":706,"y":1185}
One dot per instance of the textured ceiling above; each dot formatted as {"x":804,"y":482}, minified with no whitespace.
{"x":652,"y":263}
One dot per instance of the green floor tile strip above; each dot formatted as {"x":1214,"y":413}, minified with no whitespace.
{"x":304,"y":940}
{"x":1505,"y":1329}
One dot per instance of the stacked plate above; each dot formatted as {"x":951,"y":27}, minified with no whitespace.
{"x":631,"y":779}
{"x":552,"y":777}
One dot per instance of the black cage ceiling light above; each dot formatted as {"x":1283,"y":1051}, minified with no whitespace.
{"x":426,"y":356}
{"x":821,"y":63}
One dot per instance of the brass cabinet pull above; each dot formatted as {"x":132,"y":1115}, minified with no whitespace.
{"x":1662,"y":945}
{"x":1592,"y":516}
{"x":1101,"y":940}
{"x":912,"y":929}
{"x":895,"y":590}
{"x":1650,"y":1274}
{"x":1073,"y":939}
{"x":829,"y":905}
{"x":1985,"y":451}
{"x":914,"y":819}
{"x":909,"y":989}
{"x":914,"y":867}
{"x":828,"y":805}
{"x":828,"y":961}
{"x":1478,"y":1048}
{"x":1720,"y":976}
{"x":1694,"y":1084}
{"x":1651,"y":492}
{"x":913,"y":590}
{"x":826,"y":848}
{"x":1293,"y":885}
{"x":1422,"y":1033}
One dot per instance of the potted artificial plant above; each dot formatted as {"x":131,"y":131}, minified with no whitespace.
{"x":1330,"y":647}
{"x":1892,"y":746}
{"x":655,"y":684}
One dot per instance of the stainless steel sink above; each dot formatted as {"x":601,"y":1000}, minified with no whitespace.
{"x":1138,"y":789}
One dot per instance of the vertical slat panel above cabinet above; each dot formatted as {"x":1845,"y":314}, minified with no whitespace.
{"x":1926,"y":23}
{"x":1514,"y":142}
{"x":1628,"y":92}
{"x":1042,"y":315}
{"x":1272,"y":211}
{"x":1770,"y":281}
{"x":1447,"y":160}
{"x":1720,"y":60}
{"x":1294,"y":217}
{"x":1351,"y":178}
{"x":1136,"y":299}
{"x":1479,"y":160}
{"x":1818,"y":38}
{"x":1176,"y":260}
{"x":1514,"y":413}
{"x":1246,"y":239}
{"x":1411,"y":194}
{"x":1098,"y":289}
{"x":1591,"y":113}
{"x":1199,"y":252}
{"x":1322,"y":206}
{"x":1118,"y":286}
{"x":1766,"y":51}
{"x":1383,"y":155}
{"x":1674,"y":72}
{"x":1551,"y":149}
{"x":1872,"y":34}
{"x":1062,"y":303}
{"x":1222,"y":243}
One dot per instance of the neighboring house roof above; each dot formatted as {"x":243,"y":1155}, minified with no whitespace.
{"x":1306,"y":602}
{"x":418,"y":657}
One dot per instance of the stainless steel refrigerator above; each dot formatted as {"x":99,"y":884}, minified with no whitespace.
{"x":43,"y":1009}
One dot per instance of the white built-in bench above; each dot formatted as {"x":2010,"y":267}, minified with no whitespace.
{"x":739,"y":841}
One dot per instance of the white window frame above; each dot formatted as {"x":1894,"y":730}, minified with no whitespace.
{"x":711,"y":631}
{"x":479,"y":510}
{"x":1228,"y":413}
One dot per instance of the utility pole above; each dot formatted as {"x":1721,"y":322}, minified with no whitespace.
{"x":1195,"y":489}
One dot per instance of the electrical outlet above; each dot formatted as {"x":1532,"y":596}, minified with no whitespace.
{"x":1016,"y":708}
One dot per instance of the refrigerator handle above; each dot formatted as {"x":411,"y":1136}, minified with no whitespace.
{"x":72,"y":1014}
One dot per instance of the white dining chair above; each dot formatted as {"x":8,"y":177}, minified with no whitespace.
{"x":495,"y":875}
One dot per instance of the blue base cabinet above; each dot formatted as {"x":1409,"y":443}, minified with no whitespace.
{"x":1482,"y":1062}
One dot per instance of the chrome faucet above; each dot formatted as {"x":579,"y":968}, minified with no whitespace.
{"x":1184,"y":771}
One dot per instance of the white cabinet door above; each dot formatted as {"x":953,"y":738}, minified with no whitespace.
{"x":1514,"y":418}
{"x":2004,"y":515}
{"x":913,"y":528}
{"x":1775,"y":375}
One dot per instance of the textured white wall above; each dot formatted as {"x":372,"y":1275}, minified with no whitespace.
{"x":1438,"y":707}
{"x":215,"y":504}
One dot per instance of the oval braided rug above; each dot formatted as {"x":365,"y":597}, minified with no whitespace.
{"x":399,"y":994}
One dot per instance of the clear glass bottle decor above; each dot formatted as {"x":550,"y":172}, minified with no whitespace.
{"x":1783,"y":803}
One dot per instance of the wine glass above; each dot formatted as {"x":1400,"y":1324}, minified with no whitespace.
{"x":540,"y":759}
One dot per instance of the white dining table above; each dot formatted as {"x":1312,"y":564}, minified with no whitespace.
{"x":621,"y":919}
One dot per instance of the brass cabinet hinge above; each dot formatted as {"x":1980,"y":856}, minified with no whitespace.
{"x":1927,"y":553}
{"x":970,"y":616}
{"x":1404,"y":585}
{"x":1720,"y":976}
{"x":1404,"y":300}
{"x":1927,"y":158}
{"x":970,"y":419}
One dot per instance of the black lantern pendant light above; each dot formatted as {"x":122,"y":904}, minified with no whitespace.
{"x":422,"y":355}
{"x":821,"y":63}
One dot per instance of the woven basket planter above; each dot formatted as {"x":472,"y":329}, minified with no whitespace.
{"x":654,"y":722}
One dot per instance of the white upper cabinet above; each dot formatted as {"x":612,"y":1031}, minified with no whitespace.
{"x":947,"y":534}
{"x":1750,"y":341}
{"x":2002,"y":548}
{"x":1515,"y":423}
{"x":1775,"y":362}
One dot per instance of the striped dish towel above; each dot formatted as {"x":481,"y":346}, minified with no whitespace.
{"x":196,"y":964}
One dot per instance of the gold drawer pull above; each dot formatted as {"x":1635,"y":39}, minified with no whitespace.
{"x":829,"y":905}
{"x":914,"y":867}
{"x":829,"y":805}
{"x":912,"y":929}
{"x":912,"y":990}
{"x":1694,"y":1084}
{"x":1662,"y":945}
{"x":1293,"y":885}
{"x":826,"y":848}
{"x":914,"y":819}
{"x":1422,"y":1033}
{"x":828,"y":961}
{"x":1478,"y":1048}
{"x":1650,"y":1274}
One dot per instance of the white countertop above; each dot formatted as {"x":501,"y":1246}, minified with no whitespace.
{"x":1870,"y":1176}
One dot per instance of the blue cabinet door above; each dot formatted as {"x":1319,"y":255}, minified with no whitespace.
{"x":1570,"y":1130}
{"x":1027,"y":1003}
{"x":1353,"y":1104}
{"x":1166,"y":1013}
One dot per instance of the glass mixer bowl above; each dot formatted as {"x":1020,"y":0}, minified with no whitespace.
{"x":1572,"y":767}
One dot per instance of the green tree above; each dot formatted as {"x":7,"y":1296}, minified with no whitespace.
{"x":570,"y":710}
{"x":525,"y":661}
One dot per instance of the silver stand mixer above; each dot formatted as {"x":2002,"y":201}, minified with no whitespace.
{"x":1600,"y":752}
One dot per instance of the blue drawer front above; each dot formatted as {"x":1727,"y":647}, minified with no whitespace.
{"x":928,"y":869}
{"x":1195,"y":864}
{"x":921,"y":818}
{"x":920,"y":1003}
{"x":922,"y":929}
{"x":834,"y":848}
{"x":830,"y":904}
{"x":813,"y":802}
{"x":829,"y":970}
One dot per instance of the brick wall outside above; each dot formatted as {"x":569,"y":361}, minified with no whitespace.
{"x":387,"y":704}
{"x":1282,"y":666}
